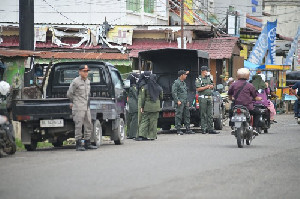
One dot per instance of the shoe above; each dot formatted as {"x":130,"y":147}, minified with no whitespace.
{"x":87,"y":145}
{"x":141,"y":139}
{"x":274,"y":121}
{"x":255,"y":133}
{"x":232,"y":132}
{"x":213,"y":132}
{"x":79,"y":146}
{"x":179,"y":132}
{"x":189,"y":131}
{"x":204,"y":131}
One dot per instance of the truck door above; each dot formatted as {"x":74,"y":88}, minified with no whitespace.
{"x":119,"y":90}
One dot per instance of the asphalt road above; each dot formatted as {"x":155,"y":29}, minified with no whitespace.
{"x":188,"y":166}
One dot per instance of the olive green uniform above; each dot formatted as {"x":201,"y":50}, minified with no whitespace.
{"x":179,"y":93}
{"x":205,"y":103}
{"x":78,"y":93}
{"x":132,"y":112}
{"x":148,"y":123}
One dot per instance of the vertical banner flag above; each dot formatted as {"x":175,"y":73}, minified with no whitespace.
{"x":289,"y":57}
{"x":271,"y":26}
{"x":260,"y":48}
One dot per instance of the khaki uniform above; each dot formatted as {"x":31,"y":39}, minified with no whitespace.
{"x":205,"y":103}
{"x":179,"y":93}
{"x":148,"y":123}
{"x":78,"y":93}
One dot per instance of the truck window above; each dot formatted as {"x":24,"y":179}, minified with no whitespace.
{"x":95,"y":76}
{"x":116,"y":79}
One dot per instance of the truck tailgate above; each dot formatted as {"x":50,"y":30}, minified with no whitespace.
{"x":36,"y":109}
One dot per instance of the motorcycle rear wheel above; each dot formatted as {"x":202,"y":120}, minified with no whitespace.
{"x":239,"y":137}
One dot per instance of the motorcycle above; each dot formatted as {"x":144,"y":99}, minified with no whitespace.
{"x":242,"y":121}
{"x":7,"y":140}
{"x":264,"y":118}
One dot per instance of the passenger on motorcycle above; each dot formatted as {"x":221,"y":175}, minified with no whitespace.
{"x":243,"y":93}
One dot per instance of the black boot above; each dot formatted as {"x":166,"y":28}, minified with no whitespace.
{"x":79,"y":147}
{"x":87,"y":145}
{"x":189,"y":131}
{"x":179,"y":132}
{"x":213,"y":132}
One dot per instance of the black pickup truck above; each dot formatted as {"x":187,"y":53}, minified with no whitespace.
{"x":166,"y":63}
{"x":51,"y":117}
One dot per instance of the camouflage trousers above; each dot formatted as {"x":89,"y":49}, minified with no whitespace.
{"x":182,"y":112}
{"x":206,"y":113}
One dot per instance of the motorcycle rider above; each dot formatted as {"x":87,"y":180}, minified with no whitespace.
{"x":246,"y":95}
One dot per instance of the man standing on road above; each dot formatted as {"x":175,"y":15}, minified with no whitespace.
{"x":179,"y":93}
{"x":78,"y":93}
{"x":296,"y":106}
{"x":204,"y":87}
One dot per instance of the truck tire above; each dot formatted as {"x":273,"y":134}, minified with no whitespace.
{"x":218,"y":123}
{"x":166,"y":127}
{"x":119,"y":133}
{"x":32,"y":146}
{"x":97,"y":133}
{"x":57,"y":144}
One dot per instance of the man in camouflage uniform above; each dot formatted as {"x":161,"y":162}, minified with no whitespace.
{"x":204,"y":87}
{"x":180,"y":95}
{"x":79,"y":93}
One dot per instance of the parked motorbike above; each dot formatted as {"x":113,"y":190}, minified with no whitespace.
{"x":264,"y":118}
{"x":7,"y":140}
{"x":242,"y":125}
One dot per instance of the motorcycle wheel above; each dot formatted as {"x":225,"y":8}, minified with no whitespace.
{"x":248,"y":142}
{"x":258,"y":130}
{"x":266,"y":131}
{"x":13,"y":149}
{"x":239,"y":137}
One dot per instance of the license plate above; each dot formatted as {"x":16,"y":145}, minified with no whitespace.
{"x":238,"y":119}
{"x":168,"y":114}
{"x":52,"y":123}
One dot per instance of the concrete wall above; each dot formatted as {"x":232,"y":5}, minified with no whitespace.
{"x":86,"y":12}
{"x":287,"y":14}
{"x":242,"y":6}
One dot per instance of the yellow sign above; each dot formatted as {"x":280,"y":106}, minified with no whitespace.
{"x":244,"y":52}
{"x":188,"y":12}
{"x":277,"y":67}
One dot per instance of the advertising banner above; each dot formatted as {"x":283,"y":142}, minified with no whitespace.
{"x":271,"y":26}
{"x":289,"y":57}
{"x":260,"y":48}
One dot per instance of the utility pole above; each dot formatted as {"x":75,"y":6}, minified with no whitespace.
{"x":26,"y":33}
{"x":26,"y":23}
{"x":182,"y":21}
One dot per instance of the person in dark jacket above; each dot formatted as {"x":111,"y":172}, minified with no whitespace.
{"x":150,"y":95}
{"x":132,"y":107}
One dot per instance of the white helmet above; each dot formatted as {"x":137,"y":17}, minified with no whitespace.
{"x":4,"y":87}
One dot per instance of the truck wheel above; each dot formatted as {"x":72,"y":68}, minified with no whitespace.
{"x":32,"y":146}
{"x":57,"y":144}
{"x":97,"y":133}
{"x":119,"y":133}
{"x":166,"y":127}
{"x":218,"y":123}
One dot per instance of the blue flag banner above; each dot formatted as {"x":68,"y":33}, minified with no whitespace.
{"x":260,"y":48}
{"x":289,"y":57}
{"x":271,"y":26}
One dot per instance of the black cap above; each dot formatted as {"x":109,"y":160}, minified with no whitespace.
{"x":181,"y":72}
{"x":84,"y":67}
{"x":204,"y":68}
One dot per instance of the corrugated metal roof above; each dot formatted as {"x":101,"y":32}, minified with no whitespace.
{"x":82,"y":55}
{"x":17,"y":53}
{"x":218,"y":48}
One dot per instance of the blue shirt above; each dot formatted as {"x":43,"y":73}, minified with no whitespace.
{"x":297,"y":86}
